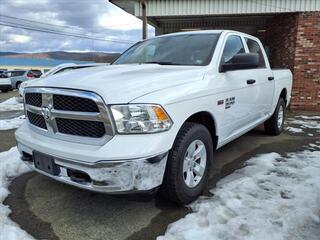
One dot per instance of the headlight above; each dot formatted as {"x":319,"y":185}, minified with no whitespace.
{"x":140,"y":118}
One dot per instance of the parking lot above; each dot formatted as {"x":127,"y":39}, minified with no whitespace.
{"x":50,"y":210}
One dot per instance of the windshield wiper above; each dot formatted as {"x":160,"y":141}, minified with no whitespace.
{"x":161,"y":63}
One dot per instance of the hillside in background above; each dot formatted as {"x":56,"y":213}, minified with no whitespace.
{"x":82,"y":56}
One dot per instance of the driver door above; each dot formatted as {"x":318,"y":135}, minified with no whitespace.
{"x":240,"y":94}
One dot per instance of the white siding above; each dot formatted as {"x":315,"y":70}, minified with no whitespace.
{"x":158,"y":8}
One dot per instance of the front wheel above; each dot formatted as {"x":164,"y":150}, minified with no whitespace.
{"x":274,"y":125}
{"x":188,"y":164}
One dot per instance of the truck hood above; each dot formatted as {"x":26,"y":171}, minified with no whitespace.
{"x":123,"y":83}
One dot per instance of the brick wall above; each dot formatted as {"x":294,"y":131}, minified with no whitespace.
{"x":294,"y":41}
{"x":306,"y":87}
{"x":281,"y":39}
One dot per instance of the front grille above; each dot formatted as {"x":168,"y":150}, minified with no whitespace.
{"x":80,"y":127}
{"x":37,"y":120}
{"x":34,"y":99}
{"x":72,"y":103}
{"x":70,"y":115}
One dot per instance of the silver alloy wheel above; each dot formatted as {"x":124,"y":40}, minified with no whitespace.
{"x":194,"y":163}
{"x":280,"y":117}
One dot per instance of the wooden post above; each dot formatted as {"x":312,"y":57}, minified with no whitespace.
{"x":144,"y":21}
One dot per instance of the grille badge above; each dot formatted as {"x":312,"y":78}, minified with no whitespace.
{"x":46,"y":112}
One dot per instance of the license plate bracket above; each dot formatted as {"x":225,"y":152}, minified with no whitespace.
{"x":45,"y":163}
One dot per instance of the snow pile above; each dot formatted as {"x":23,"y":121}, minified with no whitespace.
{"x":10,"y":167}
{"x":272,"y":197}
{"x":12,"y":104}
{"x":13,"y":123}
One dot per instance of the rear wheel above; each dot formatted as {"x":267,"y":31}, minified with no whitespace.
{"x":274,"y":125}
{"x":188,"y":164}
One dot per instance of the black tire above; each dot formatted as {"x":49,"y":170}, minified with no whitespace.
{"x":18,"y":85}
{"x":174,"y":187}
{"x":271,"y":126}
{"x":4,"y":91}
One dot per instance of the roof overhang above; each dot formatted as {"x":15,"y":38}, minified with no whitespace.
{"x":166,"y":8}
{"x":127,"y":6}
{"x":243,"y":15}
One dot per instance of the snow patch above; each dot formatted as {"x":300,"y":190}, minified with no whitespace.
{"x":314,"y":145}
{"x":304,"y":122}
{"x":307,"y":124}
{"x":272,"y":197}
{"x":10,"y":166}
{"x":13,"y":123}
{"x":294,"y":130}
{"x":310,"y":117}
{"x":12,"y":104}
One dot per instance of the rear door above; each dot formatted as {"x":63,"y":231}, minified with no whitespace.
{"x":264,"y":85}
{"x":17,"y":77}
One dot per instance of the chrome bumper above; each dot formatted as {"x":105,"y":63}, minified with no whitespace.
{"x":141,"y":174}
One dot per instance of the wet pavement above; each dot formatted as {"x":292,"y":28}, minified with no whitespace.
{"x":50,"y":210}
{"x":7,"y":95}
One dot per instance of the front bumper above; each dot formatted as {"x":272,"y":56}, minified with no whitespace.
{"x":118,"y":176}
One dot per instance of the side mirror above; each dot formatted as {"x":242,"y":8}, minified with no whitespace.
{"x":241,"y":61}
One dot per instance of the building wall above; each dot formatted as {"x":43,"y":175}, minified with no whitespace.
{"x":280,"y":37}
{"x":306,"y":88}
{"x":294,"y":41}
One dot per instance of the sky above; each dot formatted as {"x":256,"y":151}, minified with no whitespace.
{"x":96,"y":18}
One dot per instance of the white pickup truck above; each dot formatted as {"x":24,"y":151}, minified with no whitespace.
{"x":153,"y":119}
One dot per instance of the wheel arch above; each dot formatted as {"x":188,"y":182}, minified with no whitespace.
{"x":205,"y":118}
{"x":283,"y":95}
{"x":17,"y":83}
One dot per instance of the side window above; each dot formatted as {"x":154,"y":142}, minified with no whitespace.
{"x":233,"y":46}
{"x":17,"y":73}
{"x":254,"y":47}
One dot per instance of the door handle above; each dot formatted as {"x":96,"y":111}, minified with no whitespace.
{"x":251,"y":81}
{"x":270,"y":78}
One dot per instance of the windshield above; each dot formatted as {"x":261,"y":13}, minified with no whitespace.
{"x":186,"y":49}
